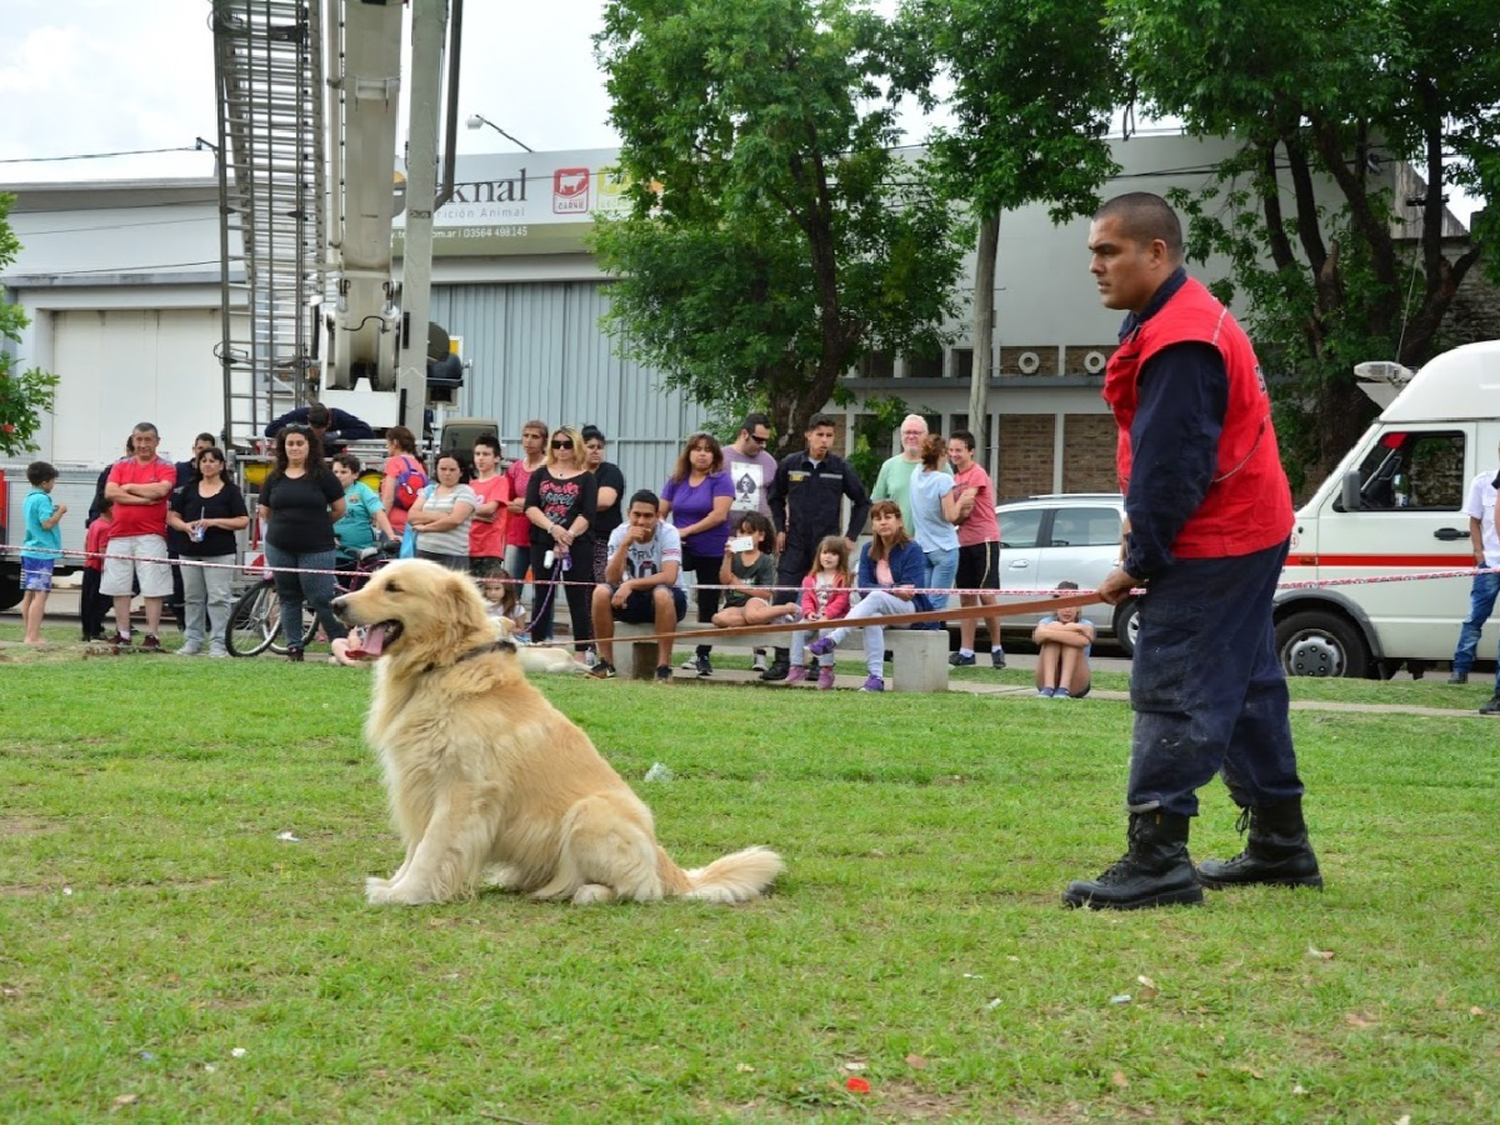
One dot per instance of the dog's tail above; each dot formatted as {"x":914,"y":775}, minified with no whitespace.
{"x":739,"y":877}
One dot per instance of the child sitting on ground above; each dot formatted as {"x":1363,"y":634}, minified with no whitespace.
{"x":1062,"y":663}
{"x":825,"y":597}
{"x":505,"y":607}
{"x":749,"y":577}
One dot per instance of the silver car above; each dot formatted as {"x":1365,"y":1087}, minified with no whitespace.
{"x":1074,"y":537}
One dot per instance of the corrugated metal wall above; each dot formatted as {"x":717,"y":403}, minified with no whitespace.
{"x":538,"y":352}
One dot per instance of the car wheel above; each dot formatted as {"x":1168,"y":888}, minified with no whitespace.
{"x":1127,"y":626}
{"x":1314,"y":643}
{"x":10,"y":590}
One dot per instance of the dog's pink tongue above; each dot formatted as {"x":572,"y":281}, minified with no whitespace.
{"x":374,"y":640}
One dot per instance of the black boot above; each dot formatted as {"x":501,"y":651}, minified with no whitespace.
{"x":779,"y":667}
{"x":1155,"y":871}
{"x":1277,"y":853}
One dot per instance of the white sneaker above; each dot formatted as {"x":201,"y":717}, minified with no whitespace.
{"x":218,"y":653}
{"x":690,"y":664}
{"x":759,"y":663}
{"x":190,"y":650}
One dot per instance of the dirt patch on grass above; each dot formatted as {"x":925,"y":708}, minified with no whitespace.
{"x":17,"y":890}
{"x":23,"y":826}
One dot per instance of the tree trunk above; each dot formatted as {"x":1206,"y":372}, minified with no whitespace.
{"x":984,"y":333}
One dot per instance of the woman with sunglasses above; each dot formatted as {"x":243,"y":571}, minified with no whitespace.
{"x":300,"y":502}
{"x":561,"y":498}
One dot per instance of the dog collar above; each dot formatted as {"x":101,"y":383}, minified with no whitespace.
{"x":482,"y":650}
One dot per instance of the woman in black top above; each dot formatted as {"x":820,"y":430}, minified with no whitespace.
{"x":208,"y":510}
{"x":560,"y":500}
{"x":299,"y":504}
{"x":611,"y":492}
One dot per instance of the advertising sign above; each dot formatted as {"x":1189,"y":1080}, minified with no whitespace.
{"x":525,"y":203}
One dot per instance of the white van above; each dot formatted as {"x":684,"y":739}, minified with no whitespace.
{"x":1393,"y":509}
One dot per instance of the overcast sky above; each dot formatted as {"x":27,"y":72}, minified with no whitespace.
{"x":103,"y":76}
{"x":96,"y":76}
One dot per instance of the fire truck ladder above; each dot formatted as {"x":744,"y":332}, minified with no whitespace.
{"x":268,"y":74}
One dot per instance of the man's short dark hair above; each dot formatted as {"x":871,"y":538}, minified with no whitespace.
{"x":349,"y":461}
{"x":819,"y":420}
{"x":644,"y":496}
{"x":963,"y":436}
{"x":753,"y":420}
{"x":1145,"y":217}
{"x":144,"y":428}
{"x":40,"y":472}
{"x":317,"y":415}
{"x":490,"y":442}
{"x":206,"y":436}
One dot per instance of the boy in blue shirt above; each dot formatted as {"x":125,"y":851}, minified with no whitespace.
{"x":40,"y":548}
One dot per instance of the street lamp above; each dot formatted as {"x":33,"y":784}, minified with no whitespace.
{"x":479,"y":119}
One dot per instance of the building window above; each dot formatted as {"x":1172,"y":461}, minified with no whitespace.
{"x":924,"y":366}
{"x":877,"y":365}
{"x":963,"y":363}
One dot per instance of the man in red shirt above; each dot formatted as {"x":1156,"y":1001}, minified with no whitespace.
{"x":139,"y":487}
{"x":518,"y":528}
{"x":1210,"y":516}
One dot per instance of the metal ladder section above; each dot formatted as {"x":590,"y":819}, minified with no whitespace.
{"x":268,"y":76}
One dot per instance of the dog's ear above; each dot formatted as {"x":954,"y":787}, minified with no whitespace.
{"x":466,"y":606}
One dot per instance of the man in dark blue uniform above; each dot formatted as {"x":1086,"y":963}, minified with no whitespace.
{"x":1210,"y":514}
{"x":333,"y":426}
{"x":806,"y":497}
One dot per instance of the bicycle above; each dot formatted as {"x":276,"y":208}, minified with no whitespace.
{"x":255,"y":621}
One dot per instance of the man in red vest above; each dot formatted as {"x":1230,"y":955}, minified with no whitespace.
{"x":1210,"y":513}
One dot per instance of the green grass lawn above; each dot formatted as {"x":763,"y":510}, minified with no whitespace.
{"x":165,"y":953}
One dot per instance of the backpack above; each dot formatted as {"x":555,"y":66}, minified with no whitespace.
{"x":409,"y":483}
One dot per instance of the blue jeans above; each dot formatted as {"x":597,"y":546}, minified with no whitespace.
{"x":316,"y":590}
{"x":1481,"y":603}
{"x":1208,"y":691}
{"x":942,"y":569}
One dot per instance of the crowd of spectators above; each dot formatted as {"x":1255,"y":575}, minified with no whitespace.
{"x":753,"y":539}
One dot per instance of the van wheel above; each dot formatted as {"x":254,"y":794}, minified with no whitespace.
{"x":1321,"y":644}
{"x":1127,"y":626}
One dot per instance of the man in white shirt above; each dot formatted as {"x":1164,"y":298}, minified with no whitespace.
{"x":750,"y":466}
{"x":752,"y":470}
{"x":642,"y":583}
{"x":1480,"y":508}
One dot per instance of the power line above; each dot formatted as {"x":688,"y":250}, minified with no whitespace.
{"x":122,"y":226}
{"x":130,"y":269}
{"x":96,"y":155}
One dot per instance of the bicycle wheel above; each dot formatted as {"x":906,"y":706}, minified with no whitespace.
{"x":254,"y":621}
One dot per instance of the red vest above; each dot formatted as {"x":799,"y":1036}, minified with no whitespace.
{"x":1249,"y":504}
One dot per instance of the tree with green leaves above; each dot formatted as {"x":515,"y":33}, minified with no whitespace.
{"x":773,"y":238}
{"x":1331,"y":91}
{"x":1035,"y":83}
{"x":24,"y":396}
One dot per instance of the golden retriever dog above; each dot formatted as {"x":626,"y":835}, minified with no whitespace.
{"x":488,"y":782}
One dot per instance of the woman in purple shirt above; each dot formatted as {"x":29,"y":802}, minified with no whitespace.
{"x":697,"y":496}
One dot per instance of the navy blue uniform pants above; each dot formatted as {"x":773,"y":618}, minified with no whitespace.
{"x":1208,"y":692}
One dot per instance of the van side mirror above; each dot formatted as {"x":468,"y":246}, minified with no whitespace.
{"x":1350,"y":498}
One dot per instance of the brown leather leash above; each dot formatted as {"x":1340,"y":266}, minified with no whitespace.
{"x":1014,"y":609}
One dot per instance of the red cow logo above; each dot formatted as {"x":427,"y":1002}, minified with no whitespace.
{"x":570,"y":191}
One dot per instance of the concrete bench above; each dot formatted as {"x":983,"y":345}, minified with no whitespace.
{"x":919,"y":656}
